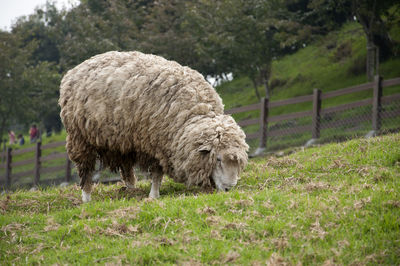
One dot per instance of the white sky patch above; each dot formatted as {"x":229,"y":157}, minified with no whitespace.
{"x":10,"y":10}
{"x":214,"y":82}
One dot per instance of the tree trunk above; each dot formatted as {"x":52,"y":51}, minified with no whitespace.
{"x":255,"y":85}
{"x":268,"y":91}
{"x":265,"y":74}
{"x":379,"y":43}
{"x":2,"y":128}
{"x":371,"y":64}
{"x":3,"y":142}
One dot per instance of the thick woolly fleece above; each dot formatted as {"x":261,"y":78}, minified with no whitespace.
{"x":130,"y":108}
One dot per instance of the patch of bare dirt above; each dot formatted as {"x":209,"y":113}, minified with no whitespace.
{"x":126,"y":213}
{"x":51,"y":225}
{"x":359,"y":204}
{"x":283,"y":162}
{"x":206,"y":210}
{"x":231,"y":257}
{"x":319,"y":185}
{"x":12,"y":228}
{"x":276,"y":260}
{"x":393,"y":203}
{"x":235,"y":226}
{"x":213,"y":220}
{"x":115,"y":229}
{"x":317,"y":230}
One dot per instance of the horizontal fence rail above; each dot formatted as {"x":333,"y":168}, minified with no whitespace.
{"x":300,"y":99}
{"x":242,"y":109}
{"x":377,"y":113}
{"x":35,"y":163}
{"x":358,"y":88}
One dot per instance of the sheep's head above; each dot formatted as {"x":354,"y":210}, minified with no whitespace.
{"x":228,"y":163}
{"x":226,"y":172}
{"x":218,"y":155}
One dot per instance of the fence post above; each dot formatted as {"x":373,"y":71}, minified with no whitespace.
{"x":68,"y":170}
{"x":38,"y":154}
{"x":263,"y":126}
{"x":376,"y":104}
{"x":8,"y":168}
{"x":316,"y":115}
{"x":4,"y":156}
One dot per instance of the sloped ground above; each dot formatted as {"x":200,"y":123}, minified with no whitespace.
{"x":334,"y":204}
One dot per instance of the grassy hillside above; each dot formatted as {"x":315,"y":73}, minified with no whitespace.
{"x":335,"y":61}
{"x":334,"y":204}
{"x":332,"y":62}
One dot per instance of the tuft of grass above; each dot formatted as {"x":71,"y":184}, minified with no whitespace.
{"x":337,"y":203}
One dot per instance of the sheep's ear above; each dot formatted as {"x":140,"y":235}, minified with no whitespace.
{"x":205,"y":148}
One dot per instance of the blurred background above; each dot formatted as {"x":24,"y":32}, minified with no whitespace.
{"x":247,"y":49}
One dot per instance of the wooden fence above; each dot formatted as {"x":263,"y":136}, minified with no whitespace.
{"x":37,"y":160}
{"x":317,"y":97}
{"x":264,"y":106}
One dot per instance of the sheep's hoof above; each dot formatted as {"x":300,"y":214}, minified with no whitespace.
{"x":154,"y":195}
{"x":129,"y":185}
{"x":85,"y":196}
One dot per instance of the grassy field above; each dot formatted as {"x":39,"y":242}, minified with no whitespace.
{"x":333,"y":204}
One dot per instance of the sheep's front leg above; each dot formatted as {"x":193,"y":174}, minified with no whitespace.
{"x":155,"y":185}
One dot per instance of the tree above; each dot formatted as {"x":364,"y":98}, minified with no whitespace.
{"x":13,"y":62}
{"x":39,"y":28}
{"x":370,"y":14}
{"x":11,"y":67}
{"x":245,"y":36}
{"x":165,"y":31}
{"x":28,"y":91}
{"x":41,"y":84}
{"x":81,"y":34}
{"x":375,"y":18}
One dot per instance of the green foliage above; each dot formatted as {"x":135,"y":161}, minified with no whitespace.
{"x":315,"y":66}
{"x":243,"y":37}
{"x":337,"y":203}
{"x":28,"y":91}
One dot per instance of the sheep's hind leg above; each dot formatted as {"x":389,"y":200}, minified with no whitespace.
{"x":128,"y":175}
{"x":155,"y":184}
{"x":85,"y":159}
{"x":85,"y":172}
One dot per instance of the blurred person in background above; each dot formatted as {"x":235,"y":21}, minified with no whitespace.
{"x":33,"y":133}
{"x":21,"y":139}
{"x":11,"y":136}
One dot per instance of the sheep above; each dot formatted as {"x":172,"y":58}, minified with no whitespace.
{"x":130,"y":109}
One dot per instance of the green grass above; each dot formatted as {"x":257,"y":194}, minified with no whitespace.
{"x":337,"y":203}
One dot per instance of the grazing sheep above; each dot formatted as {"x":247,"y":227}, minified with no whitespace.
{"x":130,"y":108}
